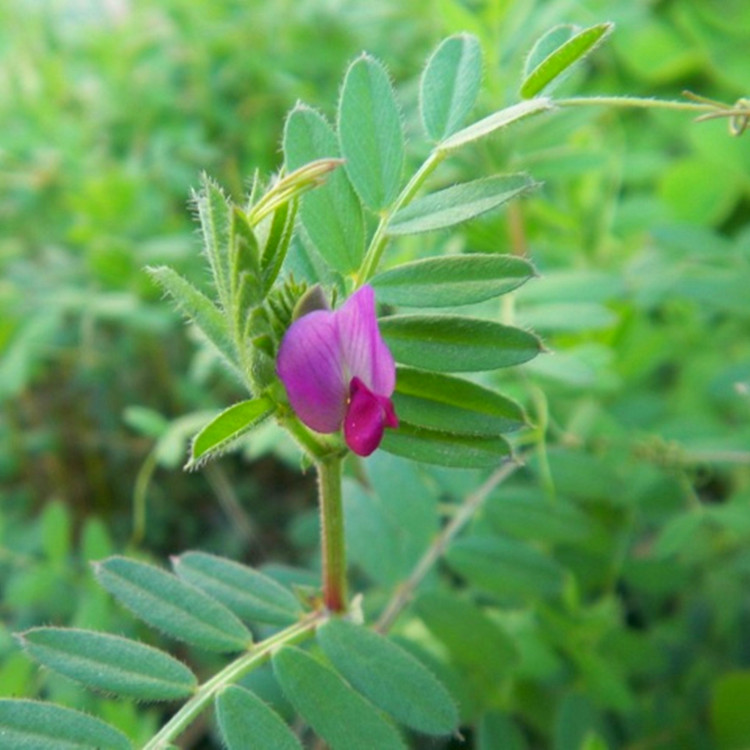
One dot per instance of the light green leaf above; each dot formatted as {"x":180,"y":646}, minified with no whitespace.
{"x":496,"y":121}
{"x":248,"y":593}
{"x":488,"y":654}
{"x":505,"y":567}
{"x":444,"y":448}
{"x":222,"y":431}
{"x":331,"y":214}
{"x":247,"y":723}
{"x":370,"y":134}
{"x":389,"y":676}
{"x":451,"y":280}
{"x":556,"y":51}
{"x":450,"y":404}
{"x":194,"y":305}
{"x":110,"y":663}
{"x":215,"y":214}
{"x":171,"y":605}
{"x":246,"y":281}
{"x":33,"y":725}
{"x":458,"y":203}
{"x":453,"y":343}
{"x":450,"y":84}
{"x":341,"y":716}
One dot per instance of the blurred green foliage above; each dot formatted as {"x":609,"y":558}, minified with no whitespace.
{"x":623,"y":619}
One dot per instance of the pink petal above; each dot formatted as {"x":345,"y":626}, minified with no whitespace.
{"x":310,"y":364}
{"x":367,"y":416}
{"x":364,"y":352}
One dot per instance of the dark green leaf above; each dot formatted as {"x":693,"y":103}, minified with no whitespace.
{"x":417,"y":522}
{"x":451,"y":280}
{"x":341,"y":716}
{"x":449,"y":404}
{"x":280,"y":231}
{"x":450,"y":84}
{"x":33,"y":725}
{"x":576,"y":718}
{"x":556,"y":51}
{"x":389,"y":676}
{"x":444,"y":448}
{"x":505,"y":567}
{"x":498,"y":730}
{"x":496,"y":121}
{"x":373,"y":537}
{"x":452,"y":343}
{"x":110,"y":663}
{"x":173,"y":606}
{"x":247,"y":723}
{"x":473,"y":640}
{"x":331,"y":214}
{"x":248,"y":593}
{"x":222,"y":431}
{"x":458,"y":203}
{"x":730,"y":718}
{"x":370,"y":133}
{"x":532,"y":515}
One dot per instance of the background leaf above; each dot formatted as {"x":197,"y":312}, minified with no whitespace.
{"x":505,"y":567}
{"x":370,"y":133}
{"x":450,"y":84}
{"x":489,"y":654}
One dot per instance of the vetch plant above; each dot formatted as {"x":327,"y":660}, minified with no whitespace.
{"x":293,"y":314}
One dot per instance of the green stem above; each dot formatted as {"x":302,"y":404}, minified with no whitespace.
{"x":332,"y":533}
{"x":315,"y":446}
{"x":229,"y":675}
{"x":380,"y":237}
{"x":635,"y":101}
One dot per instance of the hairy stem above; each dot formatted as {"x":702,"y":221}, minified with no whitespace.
{"x":249,"y":661}
{"x":333,"y":543}
{"x":466,"y":511}
{"x":637,"y":102}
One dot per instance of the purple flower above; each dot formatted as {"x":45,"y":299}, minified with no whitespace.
{"x":337,"y":371}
